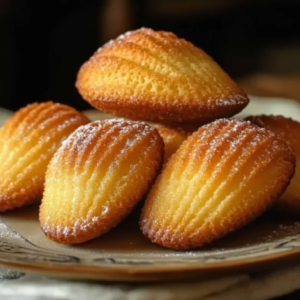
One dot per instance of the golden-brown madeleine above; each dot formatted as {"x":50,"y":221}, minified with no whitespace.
{"x":221,"y":178}
{"x":289,"y":131}
{"x":172,"y":137}
{"x":155,"y":76}
{"x":28,"y":141}
{"x":188,"y":127}
{"x":97,"y":177}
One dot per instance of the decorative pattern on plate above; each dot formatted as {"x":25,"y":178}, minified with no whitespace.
{"x":13,"y":245}
{"x":14,"y":248}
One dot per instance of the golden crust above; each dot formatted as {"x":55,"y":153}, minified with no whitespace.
{"x":172,"y":137}
{"x":28,"y":140}
{"x":222,"y":177}
{"x":155,"y":76}
{"x":289,"y":131}
{"x":97,"y":177}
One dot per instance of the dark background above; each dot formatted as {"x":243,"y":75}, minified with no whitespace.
{"x":43,"y":43}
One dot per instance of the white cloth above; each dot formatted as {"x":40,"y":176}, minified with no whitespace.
{"x":246,"y":287}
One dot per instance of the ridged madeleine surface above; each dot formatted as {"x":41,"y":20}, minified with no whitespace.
{"x":97,"y":177}
{"x":28,"y":141}
{"x":222,"y":177}
{"x":289,"y":131}
{"x":155,"y":76}
{"x":172,"y":137}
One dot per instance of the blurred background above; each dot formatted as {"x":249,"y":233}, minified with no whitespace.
{"x":43,"y":43}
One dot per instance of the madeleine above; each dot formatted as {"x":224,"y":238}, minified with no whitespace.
{"x":156,"y":76}
{"x":173,"y":137}
{"x":221,"y":178}
{"x":97,"y":177}
{"x":28,"y":140}
{"x":289,"y":131}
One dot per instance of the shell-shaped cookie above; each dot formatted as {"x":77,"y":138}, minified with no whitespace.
{"x":28,"y":141}
{"x":156,"y":76}
{"x":97,"y":177}
{"x":289,"y":131}
{"x":222,"y":177}
{"x":172,"y":137}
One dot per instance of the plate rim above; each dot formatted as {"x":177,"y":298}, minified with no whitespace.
{"x":156,"y":273}
{"x":143,"y":273}
{"x":127,"y":272}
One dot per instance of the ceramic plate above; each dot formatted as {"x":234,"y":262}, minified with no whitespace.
{"x":125,"y":255}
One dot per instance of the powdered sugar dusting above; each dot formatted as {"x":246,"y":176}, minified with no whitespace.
{"x":80,"y":226}
{"x":122,"y":37}
{"x":96,"y":178}
{"x":80,"y":135}
{"x":179,"y":83}
{"x":234,"y":100}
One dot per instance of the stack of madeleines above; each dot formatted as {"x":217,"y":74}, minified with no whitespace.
{"x":199,"y":175}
